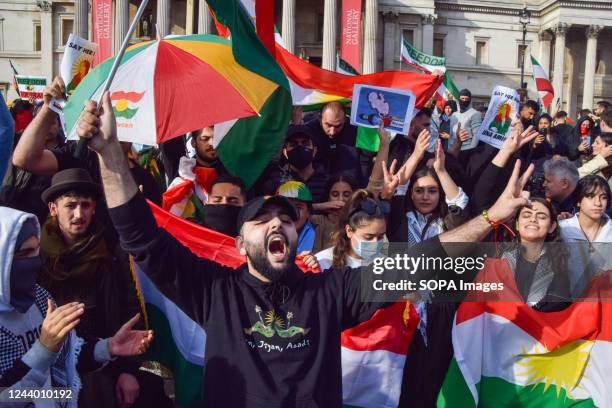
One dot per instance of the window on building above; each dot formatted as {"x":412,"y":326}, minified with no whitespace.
{"x":66,"y":29}
{"x":438,"y":47}
{"x":521,"y":55}
{"x":481,"y":52}
{"x":37,"y":36}
{"x":409,"y":36}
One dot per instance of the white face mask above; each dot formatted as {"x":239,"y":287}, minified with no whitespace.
{"x":368,"y":250}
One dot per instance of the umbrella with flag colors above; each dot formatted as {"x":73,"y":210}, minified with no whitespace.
{"x":166,"y":88}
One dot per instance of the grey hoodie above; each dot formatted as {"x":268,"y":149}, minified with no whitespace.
{"x":29,"y":364}
{"x":11,"y":222}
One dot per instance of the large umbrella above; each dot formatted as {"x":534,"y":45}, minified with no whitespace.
{"x":168,"y":87}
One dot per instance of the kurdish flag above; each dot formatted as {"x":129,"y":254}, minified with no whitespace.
{"x":510,"y":355}
{"x":543,"y":84}
{"x":179,"y":342}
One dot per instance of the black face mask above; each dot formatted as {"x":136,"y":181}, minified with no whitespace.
{"x":300,"y":156}
{"x":463,"y":105}
{"x":222,"y":218}
{"x":23,"y":281}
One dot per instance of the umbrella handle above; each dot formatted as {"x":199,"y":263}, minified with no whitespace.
{"x":83,"y":143}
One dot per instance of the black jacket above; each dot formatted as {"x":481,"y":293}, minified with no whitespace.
{"x":295,"y":362}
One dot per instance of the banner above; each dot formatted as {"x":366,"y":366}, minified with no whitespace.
{"x":350,"y":44}
{"x":343,"y":67}
{"x":503,"y":108}
{"x":31,"y":87}
{"x":102,"y":29}
{"x":420,"y":60}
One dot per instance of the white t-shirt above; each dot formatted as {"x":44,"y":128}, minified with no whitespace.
{"x":326,"y":258}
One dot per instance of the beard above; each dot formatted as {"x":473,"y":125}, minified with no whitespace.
{"x":257,"y":253}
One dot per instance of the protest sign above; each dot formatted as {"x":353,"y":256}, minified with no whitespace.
{"x":503,"y":108}
{"x":373,"y":104}
{"x":31,"y":87}
{"x":76,"y":63}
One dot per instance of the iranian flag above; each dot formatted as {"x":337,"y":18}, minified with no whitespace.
{"x":510,"y":355}
{"x":543,"y":84}
{"x":373,"y":357}
{"x":447,"y":90}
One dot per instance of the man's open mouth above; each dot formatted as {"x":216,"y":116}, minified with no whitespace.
{"x":277,"y":247}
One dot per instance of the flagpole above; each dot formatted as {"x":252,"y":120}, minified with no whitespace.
{"x":82,"y":145}
{"x":401,"y":45}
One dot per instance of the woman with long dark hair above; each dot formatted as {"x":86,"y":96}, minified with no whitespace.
{"x":433,"y":204}
{"x":338,"y":192}
{"x":600,"y":161}
{"x":585,"y":230}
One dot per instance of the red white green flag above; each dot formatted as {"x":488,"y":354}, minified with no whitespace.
{"x":543,"y":84}
{"x":507,"y":354}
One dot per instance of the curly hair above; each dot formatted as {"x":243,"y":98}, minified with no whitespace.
{"x":354,"y":217}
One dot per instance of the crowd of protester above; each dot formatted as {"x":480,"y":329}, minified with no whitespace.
{"x":68,"y":225}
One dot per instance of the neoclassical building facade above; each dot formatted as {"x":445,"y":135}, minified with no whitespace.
{"x":481,"y":40}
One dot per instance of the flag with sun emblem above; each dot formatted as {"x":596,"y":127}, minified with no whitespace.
{"x":507,"y":354}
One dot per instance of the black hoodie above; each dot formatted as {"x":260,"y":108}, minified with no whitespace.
{"x":266,"y":347}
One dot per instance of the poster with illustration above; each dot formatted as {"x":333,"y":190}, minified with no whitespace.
{"x":76,"y":64}
{"x":373,"y":105}
{"x":503,"y":108}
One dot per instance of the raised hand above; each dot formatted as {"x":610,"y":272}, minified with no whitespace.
{"x":391,"y":180}
{"x":128,"y":342}
{"x":518,"y":137}
{"x":56,"y":90}
{"x":422,"y":143}
{"x":58,"y":323}
{"x":439,"y":161}
{"x":98,"y":124}
{"x":513,"y":197}
{"x":383,"y":135}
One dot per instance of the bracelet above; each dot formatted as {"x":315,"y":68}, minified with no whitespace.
{"x":485,"y":215}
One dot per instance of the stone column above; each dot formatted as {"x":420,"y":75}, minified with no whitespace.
{"x":592,"y":32}
{"x":163,"y":17}
{"x":204,"y":18}
{"x":46,"y":39}
{"x":560,"y":31}
{"x":81,"y":18}
{"x":390,"y":40}
{"x":428,"y":29}
{"x":189,"y":28}
{"x":122,"y":22}
{"x":544,"y":58}
{"x":369,"y":37}
{"x":288,"y":31}
{"x":330,"y":28}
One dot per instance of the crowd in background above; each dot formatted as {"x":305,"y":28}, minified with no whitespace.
{"x":349,"y":203}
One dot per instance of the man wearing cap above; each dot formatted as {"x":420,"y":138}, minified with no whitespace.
{"x":272,"y":331}
{"x":80,"y":263}
{"x":297,"y":163}
{"x":299,"y":195}
{"x":469,"y":118}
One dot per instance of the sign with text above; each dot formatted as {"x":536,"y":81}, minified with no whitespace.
{"x":503,"y":108}
{"x":31,"y":87}
{"x":350,"y":44}
{"x":102,"y":17}
{"x":76,"y":63}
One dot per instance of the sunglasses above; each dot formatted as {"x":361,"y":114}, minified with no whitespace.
{"x":372,"y":207}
